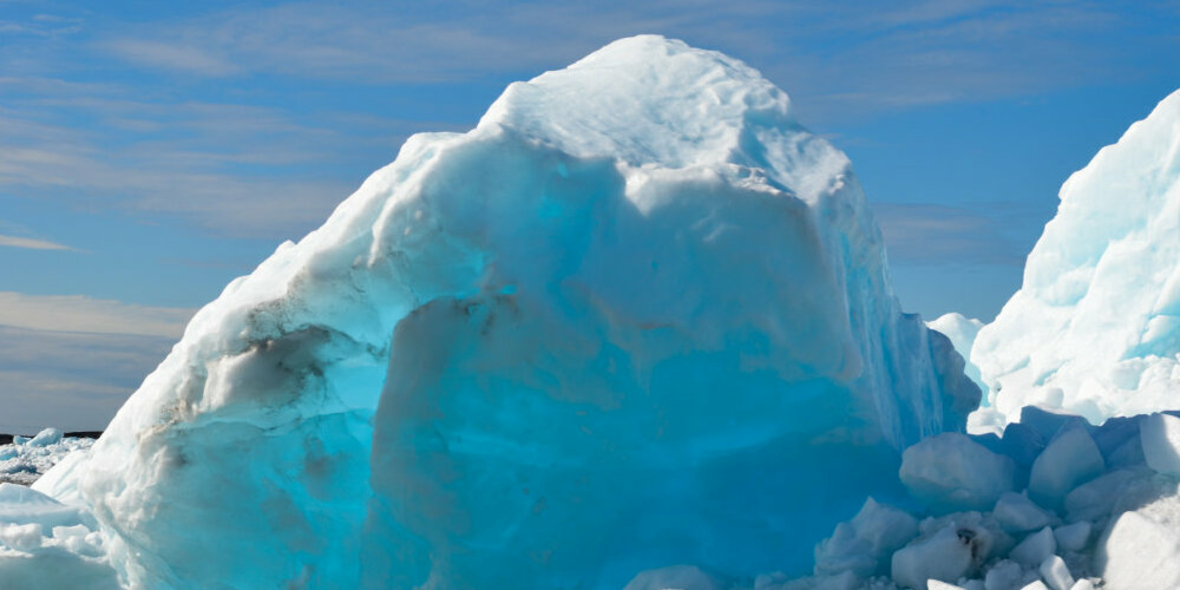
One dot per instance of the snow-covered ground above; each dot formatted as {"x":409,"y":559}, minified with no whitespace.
{"x":27,"y":459}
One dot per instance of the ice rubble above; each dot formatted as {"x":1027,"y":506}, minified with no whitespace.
{"x":573,"y":339}
{"x":27,"y":459}
{"x":1118,"y":528}
{"x":1095,"y":328}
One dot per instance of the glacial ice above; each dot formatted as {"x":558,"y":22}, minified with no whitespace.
{"x":1095,"y":327}
{"x":637,"y":317}
{"x":950,"y":472}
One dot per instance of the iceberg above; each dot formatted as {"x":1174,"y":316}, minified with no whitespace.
{"x":1095,"y":327}
{"x":638,"y":317}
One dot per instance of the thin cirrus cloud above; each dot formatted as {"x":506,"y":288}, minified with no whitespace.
{"x":30,"y":243}
{"x":77,"y":313}
{"x":918,"y":233}
{"x":857,"y":56}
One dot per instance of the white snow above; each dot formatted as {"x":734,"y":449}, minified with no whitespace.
{"x":1095,"y":327}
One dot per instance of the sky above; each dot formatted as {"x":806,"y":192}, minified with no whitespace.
{"x":152,"y":151}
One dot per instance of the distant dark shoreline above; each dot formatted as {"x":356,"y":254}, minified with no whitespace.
{"x":6,"y":439}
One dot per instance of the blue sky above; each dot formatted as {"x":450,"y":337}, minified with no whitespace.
{"x":150,"y":152}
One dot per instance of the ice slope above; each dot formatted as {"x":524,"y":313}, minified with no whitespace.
{"x":1095,"y":328}
{"x":637,"y":316}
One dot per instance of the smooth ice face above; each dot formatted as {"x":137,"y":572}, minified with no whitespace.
{"x":637,"y":317}
{"x":1095,"y":328}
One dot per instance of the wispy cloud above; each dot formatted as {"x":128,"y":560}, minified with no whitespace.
{"x":238,"y":170}
{"x":77,"y":313}
{"x":856,"y":55}
{"x":30,"y":243}
{"x":917,"y":233}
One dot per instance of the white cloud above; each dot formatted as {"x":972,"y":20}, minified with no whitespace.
{"x":30,"y":243}
{"x":78,"y":313}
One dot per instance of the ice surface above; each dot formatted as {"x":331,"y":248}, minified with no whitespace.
{"x":1160,"y":436}
{"x":1004,"y":575}
{"x":949,"y":549}
{"x":1056,"y":574}
{"x":858,"y":546}
{"x":1035,"y":548}
{"x":1095,"y":327}
{"x":950,"y":472}
{"x":936,"y":585}
{"x":554,"y":351}
{"x":1073,"y":537}
{"x":49,"y":546}
{"x":49,"y":436}
{"x":1070,"y":460}
{"x":682,"y":577}
{"x":1138,"y":552}
{"x":1017,"y":514}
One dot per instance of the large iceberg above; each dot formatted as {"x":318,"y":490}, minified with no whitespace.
{"x":1095,"y":328}
{"x":637,"y":317}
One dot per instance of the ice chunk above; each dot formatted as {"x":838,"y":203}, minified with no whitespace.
{"x":950,"y":472}
{"x":680,"y":577}
{"x":1096,"y":499}
{"x":1047,"y":422}
{"x":553,"y":351}
{"x":1083,"y":584}
{"x":1137,"y":552}
{"x":1160,"y":437}
{"x":1073,"y":537}
{"x":858,"y":545}
{"x":1004,"y":575}
{"x":1035,"y":548}
{"x":1113,"y":245}
{"x":1055,"y":573}
{"x":22,"y":537}
{"x":1036,"y":585}
{"x":1071,"y":459}
{"x":947,"y":554}
{"x":937,"y":585}
{"x":49,"y":436}
{"x":1017,"y":514}
{"x":1022,"y":443}
{"x":46,"y":545}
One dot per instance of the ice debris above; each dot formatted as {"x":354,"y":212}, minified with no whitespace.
{"x":27,"y":459}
